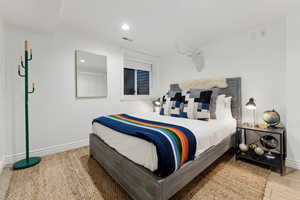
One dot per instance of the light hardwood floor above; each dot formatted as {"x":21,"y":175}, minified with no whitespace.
{"x":73,"y":175}
{"x":283,"y":187}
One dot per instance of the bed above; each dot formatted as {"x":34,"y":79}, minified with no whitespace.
{"x":133,"y":170}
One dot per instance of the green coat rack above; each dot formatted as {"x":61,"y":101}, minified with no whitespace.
{"x":28,"y":161}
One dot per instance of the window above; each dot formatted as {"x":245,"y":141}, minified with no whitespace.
{"x":129,"y":81}
{"x":143,"y":82}
{"x":137,"y":78}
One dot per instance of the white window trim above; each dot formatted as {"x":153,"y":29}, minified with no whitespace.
{"x":129,"y":63}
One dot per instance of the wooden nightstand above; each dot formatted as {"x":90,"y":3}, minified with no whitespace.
{"x":256,"y":137}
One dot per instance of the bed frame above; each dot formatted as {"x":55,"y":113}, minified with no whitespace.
{"x":141,"y":183}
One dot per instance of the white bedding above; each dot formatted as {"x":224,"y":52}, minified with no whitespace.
{"x":207,"y":133}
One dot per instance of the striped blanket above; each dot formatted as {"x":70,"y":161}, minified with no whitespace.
{"x":175,"y":145}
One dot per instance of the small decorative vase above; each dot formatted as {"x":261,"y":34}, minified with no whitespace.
{"x":253,"y":146}
{"x":259,"y":151}
{"x":243,"y":147}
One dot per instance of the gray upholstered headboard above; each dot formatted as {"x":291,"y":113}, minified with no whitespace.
{"x":234,"y":90}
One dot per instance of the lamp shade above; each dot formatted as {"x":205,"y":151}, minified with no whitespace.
{"x":251,"y":104}
{"x":157,"y":102}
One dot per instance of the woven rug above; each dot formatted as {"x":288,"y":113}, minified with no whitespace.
{"x":225,"y":179}
{"x":73,"y":175}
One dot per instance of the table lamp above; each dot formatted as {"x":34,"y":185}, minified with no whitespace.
{"x":250,"y":105}
{"x":156,"y":105}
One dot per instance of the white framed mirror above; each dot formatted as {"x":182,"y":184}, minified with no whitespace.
{"x":91,"y":75}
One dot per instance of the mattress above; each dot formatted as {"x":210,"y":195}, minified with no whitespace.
{"x":142,"y":152}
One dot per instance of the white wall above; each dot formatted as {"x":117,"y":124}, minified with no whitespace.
{"x":292,"y":88}
{"x":2,"y":96}
{"x":259,"y":60}
{"x":269,"y":67}
{"x":56,"y":116}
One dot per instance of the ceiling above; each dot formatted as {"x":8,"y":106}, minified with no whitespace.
{"x":155,"y":24}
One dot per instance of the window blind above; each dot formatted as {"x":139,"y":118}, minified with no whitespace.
{"x":143,"y":82}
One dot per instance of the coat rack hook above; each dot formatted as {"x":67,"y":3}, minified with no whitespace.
{"x":33,"y":88}
{"x":22,"y":63}
{"x":19,"y":71}
{"x":30,"y":58}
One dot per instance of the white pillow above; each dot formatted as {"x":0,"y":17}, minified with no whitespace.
{"x":223,"y":107}
{"x":228,"y":113}
{"x":220,"y":106}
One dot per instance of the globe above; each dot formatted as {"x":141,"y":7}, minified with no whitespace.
{"x":272,"y":118}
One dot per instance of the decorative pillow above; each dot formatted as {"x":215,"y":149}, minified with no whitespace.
{"x":203,"y":105}
{"x":165,"y":105}
{"x":196,"y":104}
{"x":212,"y":108}
{"x":176,"y":105}
{"x":171,"y":104}
{"x":188,"y":105}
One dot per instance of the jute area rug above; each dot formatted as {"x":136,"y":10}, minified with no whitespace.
{"x":74,"y":175}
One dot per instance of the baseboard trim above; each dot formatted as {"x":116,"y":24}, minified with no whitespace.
{"x":47,"y":150}
{"x":293,"y":163}
{"x":77,"y":144}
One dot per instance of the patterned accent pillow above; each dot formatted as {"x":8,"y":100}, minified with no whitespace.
{"x":196,"y":104}
{"x":176,"y":105}
{"x":165,"y":105}
{"x":188,"y":105}
{"x":202,"y":104}
{"x":194,"y":93}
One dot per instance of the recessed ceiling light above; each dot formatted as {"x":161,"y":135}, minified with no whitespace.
{"x":82,"y":60}
{"x":125,"y":27}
